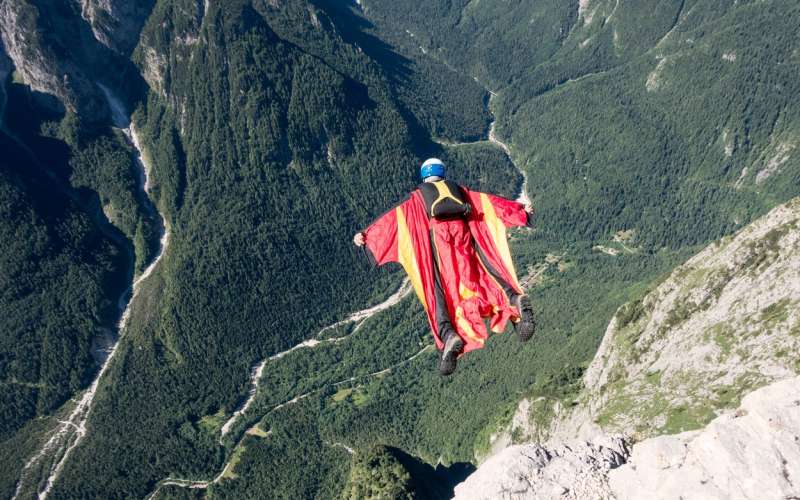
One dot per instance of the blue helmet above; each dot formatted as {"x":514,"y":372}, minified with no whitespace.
{"x":432,"y":167}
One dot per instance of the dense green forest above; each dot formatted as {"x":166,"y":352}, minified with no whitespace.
{"x":656,"y":118}
{"x":278,"y":129}
{"x":59,"y":275}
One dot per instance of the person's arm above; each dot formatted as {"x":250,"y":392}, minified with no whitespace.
{"x":380,"y":239}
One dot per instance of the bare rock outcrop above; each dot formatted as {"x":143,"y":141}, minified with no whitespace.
{"x":60,"y":50}
{"x":116,"y":23}
{"x":46,"y":62}
{"x":722,"y":324}
{"x":752,"y":453}
{"x":575,"y":470}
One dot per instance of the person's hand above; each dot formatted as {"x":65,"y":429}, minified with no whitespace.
{"x":359,"y":239}
{"x":529,"y":208}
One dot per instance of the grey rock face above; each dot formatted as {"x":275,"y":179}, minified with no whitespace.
{"x":721,"y":325}
{"x":576,"y":470}
{"x":116,"y":23}
{"x":753,"y":453}
{"x":48,"y":65}
{"x":61,"y":50}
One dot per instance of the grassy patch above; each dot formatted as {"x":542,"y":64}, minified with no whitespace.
{"x":654,"y":378}
{"x":620,"y":405}
{"x":727,"y":396}
{"x":683,"y":418}
{"x":763,"y":252}
{"x":341,"y":394}
{"x":361,"y":398}
{"x":680,"y":313}
{"x":213,"y":423}
{"x":795,"y":331}
{"x":776,"y":313}
{"x":719,"y":279}
{"x":722,"y":334}
{"x":356,"y":395}
{"x":696,"y":278}
{"x":630,"y":313}
{"x":257,"y":431}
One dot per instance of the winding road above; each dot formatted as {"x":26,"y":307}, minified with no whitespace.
{"x":201,"y":484}
{"x":70,"y":432}
{"x":357,"y":317}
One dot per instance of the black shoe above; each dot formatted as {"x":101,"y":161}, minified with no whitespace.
{"x":452,"y":347}
{"x":526,"y":325}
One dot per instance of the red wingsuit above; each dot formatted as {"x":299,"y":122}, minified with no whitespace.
{"x":461,"y":269}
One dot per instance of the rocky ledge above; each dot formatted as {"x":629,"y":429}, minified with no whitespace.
{"x":752,"y":453}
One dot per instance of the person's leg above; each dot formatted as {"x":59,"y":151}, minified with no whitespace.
{"x":453,"y":345}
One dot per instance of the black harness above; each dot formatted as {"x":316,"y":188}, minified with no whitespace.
{"x":444,"y":200}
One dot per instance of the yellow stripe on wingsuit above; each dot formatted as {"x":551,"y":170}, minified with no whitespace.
{"x":407,"y":257}
{"x":498,"y":232}
{"x":466,"y":327}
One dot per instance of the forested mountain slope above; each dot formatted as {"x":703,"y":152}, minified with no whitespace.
{"x":276,"y":129}
{"x":73,"y":220}
{"x":60,"y":275}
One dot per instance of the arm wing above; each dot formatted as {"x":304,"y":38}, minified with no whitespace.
{"x":511,"y":213}
{"x":402,"y":235}
{"x":381,"y":239}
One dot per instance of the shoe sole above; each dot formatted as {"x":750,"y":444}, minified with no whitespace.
{"x":447,"y":365}
{"x":526,"y":326}
{"x":525,"y":331}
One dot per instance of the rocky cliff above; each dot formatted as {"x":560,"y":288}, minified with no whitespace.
{"x":61,"y":50}
{"x":720,"y":326}
{"x":117,"y":23}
